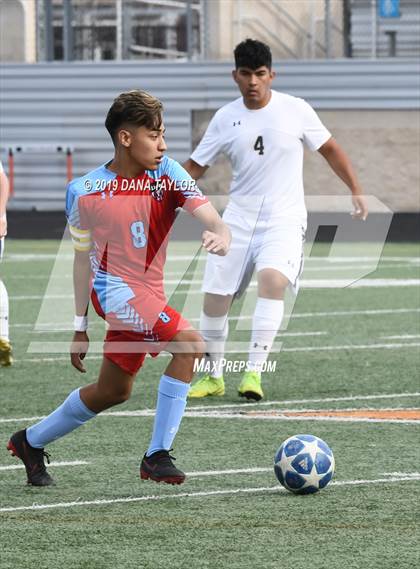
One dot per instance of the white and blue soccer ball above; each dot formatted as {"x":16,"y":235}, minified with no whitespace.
{"x":304,"y":464}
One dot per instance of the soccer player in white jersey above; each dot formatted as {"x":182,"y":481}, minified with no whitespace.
{"x":5,"y":346}
{"x":262,"y":133}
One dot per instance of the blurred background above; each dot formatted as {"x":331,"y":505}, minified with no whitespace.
{"x":63,"y":62}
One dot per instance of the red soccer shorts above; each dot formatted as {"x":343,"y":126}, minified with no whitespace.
{"x":126,"y":345}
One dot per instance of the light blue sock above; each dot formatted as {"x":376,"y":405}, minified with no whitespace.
{"x":70,"y":415}
{"x":171,"y":403}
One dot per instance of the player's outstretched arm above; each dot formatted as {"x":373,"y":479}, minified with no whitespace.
{"x":217,"y":237}
{"x":81,"y":280}
{"x":194,"y":169}
{"x":4,"y":196}
{"x":341,"y":165}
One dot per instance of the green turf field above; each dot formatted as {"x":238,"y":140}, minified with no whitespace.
{"x":344,"y":349}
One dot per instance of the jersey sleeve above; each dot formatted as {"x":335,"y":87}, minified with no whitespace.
{"x":314,"y":133}
{"x":186,"y":192}
{"x":77,"y":220}
{"x":210,"y":146}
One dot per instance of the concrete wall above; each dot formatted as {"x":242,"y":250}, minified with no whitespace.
{"x":231,"y":21}
{"x":384,"y":147}
{"x":12,"y":31}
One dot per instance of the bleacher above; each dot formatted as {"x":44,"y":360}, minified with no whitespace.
{"x":395,"y":37}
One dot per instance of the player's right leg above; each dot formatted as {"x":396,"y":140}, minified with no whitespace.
{"x":222,"y":278}
{"x":113,"y":386}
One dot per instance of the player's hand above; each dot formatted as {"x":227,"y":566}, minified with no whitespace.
{"x":214,"y":243}
{"x":3,"y":227}
{"x":79,"y":349}
{"x":360,"y":207}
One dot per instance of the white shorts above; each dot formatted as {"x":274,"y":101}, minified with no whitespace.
{"x":1,"y":248}
{"x":275,"y":244}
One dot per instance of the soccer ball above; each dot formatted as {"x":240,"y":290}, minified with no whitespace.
{"x":304,"y":464}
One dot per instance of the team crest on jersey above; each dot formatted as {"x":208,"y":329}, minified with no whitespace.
{"x":156,"y":189}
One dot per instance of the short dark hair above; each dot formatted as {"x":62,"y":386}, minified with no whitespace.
{"x":252,"y":54}
{"x":137,"y":108}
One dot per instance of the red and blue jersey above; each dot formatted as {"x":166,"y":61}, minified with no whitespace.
{"x":125,"y":224}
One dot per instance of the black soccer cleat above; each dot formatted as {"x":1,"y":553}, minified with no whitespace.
{"x":32,"y":458}
{"x":160,"y":468}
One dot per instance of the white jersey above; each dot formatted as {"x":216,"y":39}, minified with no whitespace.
{"x":265,"y":149}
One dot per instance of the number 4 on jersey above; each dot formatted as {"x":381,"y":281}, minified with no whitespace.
{"x":259,"y":145}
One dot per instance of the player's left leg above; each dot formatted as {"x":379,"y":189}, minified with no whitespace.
{"x":266,"y":322}
{"x":112,"y":387}
{"x":5,"y":346}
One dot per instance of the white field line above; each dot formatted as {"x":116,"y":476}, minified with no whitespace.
{"x":191,"y":413}
{"x":55,"y":326}
{"x":167,"y":273}
{"x":56,"y":359}
{"x":27,"y":257}
{"x":402,"y":337}
{"x":243,"y":409}
{"x":314,"y":283}
{"x":270,"y":469}
{"x":41,"y":297}
{"x":298,"y":401}
{"x":332,"y":283}
{"x":350,"y":347}
{"x":383,"y":265}
{"x":68,"y":327}
{"x":214,"y":413}
{"x":400,"y":474}
{"x":221,"y":415}
{"x":236,"y":491}
{"x":328,"y":269}
{"x":25,"y":419}
{"x":279,"y":335}
{"x":53,"y":464}
{"x":371,"y":312}
{"x":198,"y":474}
{"x":174,"y":257}
{"x":331,"y":268}
{"x":336,"y":259}
{"x":239,"y":406}
{"x":224,"y":415}
{"x":204,"y":473}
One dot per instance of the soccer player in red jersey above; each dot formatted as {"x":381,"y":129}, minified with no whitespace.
{"x":120,"y":216}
